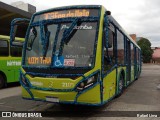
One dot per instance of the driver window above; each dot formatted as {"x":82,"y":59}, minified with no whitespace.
{"x":109,"y":53}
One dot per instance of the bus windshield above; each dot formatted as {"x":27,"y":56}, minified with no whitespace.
{"x":47,"y":44}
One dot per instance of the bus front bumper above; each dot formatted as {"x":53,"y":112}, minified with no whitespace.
{"x":90,"y":96}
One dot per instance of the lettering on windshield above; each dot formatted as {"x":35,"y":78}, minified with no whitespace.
{"x":82,"y":27}
{"x":39,"y":60}
{"x":77,"y":56}
{"x":65,"y":14}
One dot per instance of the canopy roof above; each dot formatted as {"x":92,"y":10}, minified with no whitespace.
{"x":7,"y":14}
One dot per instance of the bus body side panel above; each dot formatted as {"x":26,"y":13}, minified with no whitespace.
{"x":15,"y":63}
{"x":10,"y":67}
{"x":9,"y":74}
{"x":91,"y":96}
{"x":109,"y":85}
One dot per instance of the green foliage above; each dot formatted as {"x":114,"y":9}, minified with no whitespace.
{"x":147,"y":52}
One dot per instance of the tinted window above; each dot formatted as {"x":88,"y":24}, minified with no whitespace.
{"x":4,"y":51}
{"x":120,"y":47}
{"x":138,"y":56}
{"x":132,"y":53}
{"x":16,"y":51}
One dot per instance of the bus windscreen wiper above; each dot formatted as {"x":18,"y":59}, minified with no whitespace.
{"x":68,"y":34}
{"x":45,"y":34}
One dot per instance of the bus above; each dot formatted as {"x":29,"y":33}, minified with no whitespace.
{"x":10,"y":61}
{"x":76,"y":55}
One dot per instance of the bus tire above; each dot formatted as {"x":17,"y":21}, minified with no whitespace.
{"x":2,"y":81}
{"x":120,"y":85}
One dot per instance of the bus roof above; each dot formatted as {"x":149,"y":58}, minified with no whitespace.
{"x":122,"y":30}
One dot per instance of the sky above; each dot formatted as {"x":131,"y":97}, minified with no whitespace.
{"x":140,"y":17}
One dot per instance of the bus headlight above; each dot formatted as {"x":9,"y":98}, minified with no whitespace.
{"x":86,"y":83}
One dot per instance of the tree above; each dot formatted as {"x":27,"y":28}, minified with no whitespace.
{"x":147,"y":52}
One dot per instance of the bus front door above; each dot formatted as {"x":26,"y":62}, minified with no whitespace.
{"x":128,"y":61}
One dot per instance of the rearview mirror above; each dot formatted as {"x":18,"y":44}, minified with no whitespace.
{"x":108,"y":35}
{"x":110,"y":44}
{"x":18,"y":31}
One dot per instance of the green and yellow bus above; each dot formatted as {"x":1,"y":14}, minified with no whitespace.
{"x":10,"y":61}
{"x":76,"y":55}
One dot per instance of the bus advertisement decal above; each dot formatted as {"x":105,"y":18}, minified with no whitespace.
{"x":13,"y":63}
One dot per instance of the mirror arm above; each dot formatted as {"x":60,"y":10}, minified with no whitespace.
{"x":106,"y":23}
{"x":13,"y":30}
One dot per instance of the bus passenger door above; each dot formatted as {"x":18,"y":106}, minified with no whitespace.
{"x":108,"y":60}
{"x":128,"y":61}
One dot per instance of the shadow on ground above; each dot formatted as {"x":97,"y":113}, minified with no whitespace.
{"x":10,"y":85}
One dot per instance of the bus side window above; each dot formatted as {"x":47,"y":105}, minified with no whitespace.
{"x":4,"y":49}
{"x":120,"y":47}
{"x":16,"y":51}
{"x":109,"y":53}
{"x":132,"y":54}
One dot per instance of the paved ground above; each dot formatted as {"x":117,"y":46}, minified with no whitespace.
{"x":10,"y":91}
{"x":142,"y":95}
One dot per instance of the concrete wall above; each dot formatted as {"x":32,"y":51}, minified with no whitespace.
{"x":24,"y":6}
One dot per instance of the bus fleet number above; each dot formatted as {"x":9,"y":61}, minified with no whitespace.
{"x":67,"y":84}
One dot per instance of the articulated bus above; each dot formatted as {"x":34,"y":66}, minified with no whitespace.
{"x":76,"y":55}
{"x":10,"y":61}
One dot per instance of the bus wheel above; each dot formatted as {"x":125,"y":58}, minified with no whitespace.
{"x":121,"y":85}
{"x":2,"y":81}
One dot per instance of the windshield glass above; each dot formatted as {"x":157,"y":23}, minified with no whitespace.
{"x":47,"y":47}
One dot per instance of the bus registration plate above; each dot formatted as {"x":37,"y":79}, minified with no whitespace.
{"x":52,"y":99}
